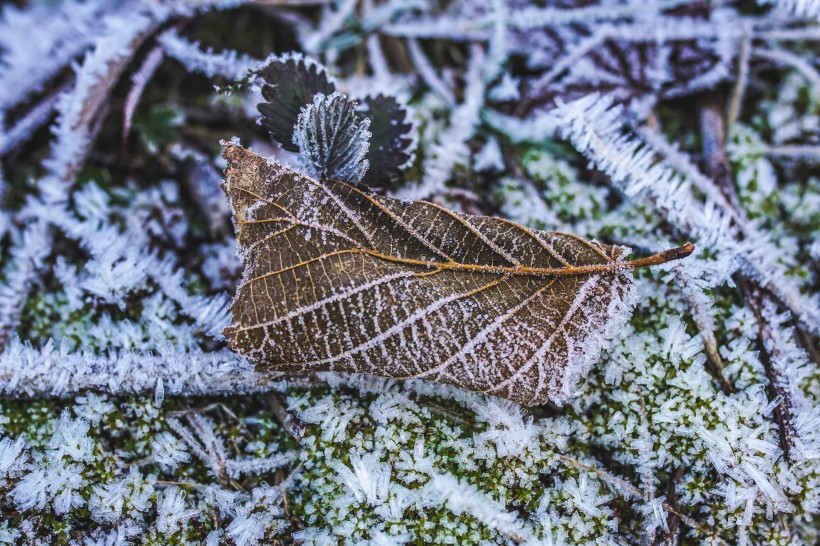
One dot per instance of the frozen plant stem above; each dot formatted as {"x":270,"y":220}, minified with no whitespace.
{"x":82,"y":109}
{"x":428,"y":72}
{"x":670,"y":536}
{"x":26,"y":126}
{"x":777,"y":387}
{"x":713,"y":136}
{"x":664,"y":257}
{"x":289,"y":421}
{"x":139,"y":80}
{"x":739,"y":90}
{"x":714,"y":151}
{"x":705,"y":323}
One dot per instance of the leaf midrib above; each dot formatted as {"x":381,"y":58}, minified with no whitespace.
{"x":455,"y":266}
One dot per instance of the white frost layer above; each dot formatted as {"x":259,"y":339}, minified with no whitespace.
{"x":57,"y":371}
{"x":800,"y":8}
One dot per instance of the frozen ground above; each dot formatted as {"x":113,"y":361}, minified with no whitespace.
{"x":124,"y":419}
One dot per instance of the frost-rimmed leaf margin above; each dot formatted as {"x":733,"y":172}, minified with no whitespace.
{"x":619,"y":312}
{"x":394,"y":138}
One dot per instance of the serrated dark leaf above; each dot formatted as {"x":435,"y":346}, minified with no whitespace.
{"x":392,"y":142}
{"x":292,"y":82}
{"x":333,"y":141}
{"x":340,"y":279}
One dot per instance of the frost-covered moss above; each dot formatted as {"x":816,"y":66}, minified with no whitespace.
{"x":107,"y":467}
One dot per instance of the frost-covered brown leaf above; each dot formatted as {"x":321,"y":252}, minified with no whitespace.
{"x":339,"y":279}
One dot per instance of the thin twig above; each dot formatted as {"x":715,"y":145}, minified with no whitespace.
{"x":782,"y":56}
{"x":294,"y":426}
{"x":705,"y":324}
{"x":166,"y":483}
{"x":683,"y":164}
{"x":715,"y":152}
{"x":805,"y":34}
{"x":777,"y":387}
{"x":94,"y":106}
{"x":739,"y":90}
{"x":572,"y":57}
{"x":713,"y":138}
{"x":793,"y":151}
{"x":645,"y":469}
{"x":669,"y":537}
{"x":428,"y":73}
{"x":717,"y":160}
{"x":26,"y":126}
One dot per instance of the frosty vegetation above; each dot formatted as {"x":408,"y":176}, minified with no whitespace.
{"x":125,"y":420}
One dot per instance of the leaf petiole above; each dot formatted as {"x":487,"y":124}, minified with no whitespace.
{"x":669,"y":255}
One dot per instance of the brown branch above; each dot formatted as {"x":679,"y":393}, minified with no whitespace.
{"x":715,"y":153}
{"x":713,"y":137}
{"x":777,"y":386}
{"x":670,"y":537}
{"x":714,"y":149}
{"x":663,"y":257}
{"x":294,"y":426}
